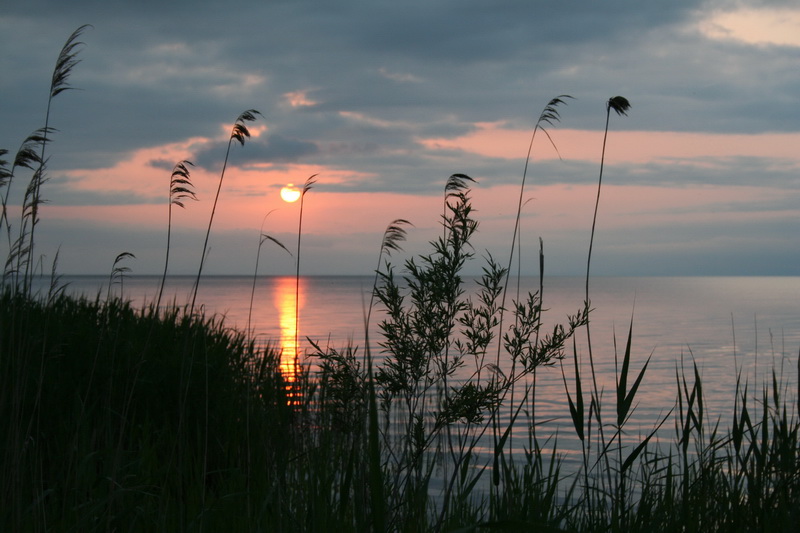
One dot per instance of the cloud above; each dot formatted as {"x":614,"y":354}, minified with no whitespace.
{"x":299,"y":98}
{"x":271,"y":149}
{"x":759,"y":26}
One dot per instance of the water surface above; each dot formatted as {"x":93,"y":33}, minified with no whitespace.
{"x":748,"y":326}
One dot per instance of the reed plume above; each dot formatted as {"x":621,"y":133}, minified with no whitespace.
{"x":27,"y":156}
{"x":455,"y":185}
{"x":307,"y":186}
{"x":67,"y":60}
{"x":118,"y":273}
{"x":548,"y":117}
{"x":393,"y":236}
{"x":180,"y":189}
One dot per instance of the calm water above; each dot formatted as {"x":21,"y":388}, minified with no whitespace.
{"x":722,"y":323}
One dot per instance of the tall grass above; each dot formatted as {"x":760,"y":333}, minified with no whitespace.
{"x":96,"y":435}
{"x":32,"y":154}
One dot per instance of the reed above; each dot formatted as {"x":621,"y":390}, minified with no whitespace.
{"x":32,"y":155}
{"x":67,"y":60}
{"x":180,"y":190}
{"x":239,"y":133}
{"x":620,"y":105}
{"x":262,"y":238}
{"x":28,"y":157}
{"x":118,"y":272}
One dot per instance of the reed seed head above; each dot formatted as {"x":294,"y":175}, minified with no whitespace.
{"x":619,"y":104}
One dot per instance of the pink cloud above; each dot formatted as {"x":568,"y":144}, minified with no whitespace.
{"x":493,"y":140}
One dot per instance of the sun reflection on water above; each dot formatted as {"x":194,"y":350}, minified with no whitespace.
{"x":285,"y":298}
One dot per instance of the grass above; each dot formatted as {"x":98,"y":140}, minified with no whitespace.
{"x":115,"y":418}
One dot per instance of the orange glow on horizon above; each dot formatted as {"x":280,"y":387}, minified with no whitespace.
{"x":625,"y":146}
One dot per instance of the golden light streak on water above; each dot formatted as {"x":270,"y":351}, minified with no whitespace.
{"x":285,"y":292}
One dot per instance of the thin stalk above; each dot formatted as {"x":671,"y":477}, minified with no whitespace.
{"x":620,"y":105}
{"x":393,"y":236}
{"x":180,"y":189}
{"x":306,"y":187}
{"x":262,"y":239}
{"x":118,"y":274}
{"x":239,"y":132}
{"x":67,"y":60}
{"x":548,"y":116}
{"x":26,"y":157}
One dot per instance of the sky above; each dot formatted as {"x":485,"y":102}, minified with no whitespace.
{"x":383,"y":101}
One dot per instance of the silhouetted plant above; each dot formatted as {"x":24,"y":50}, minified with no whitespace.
{"x":180,"y":189}
{"x":118,"y":273}
{"x":307,"y":186}
{"x":239,"y":133}
{"x":620,"y":106}
{"x":548,"y":117}
{"x":455,"y":184}
{"x":393,"y":236}
{"x":432,"y":330}
{"x":27,"y":156}
{"x":263,"y":237}
{"x":67,"y":60}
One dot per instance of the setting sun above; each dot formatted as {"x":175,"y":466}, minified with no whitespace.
{"x":290,"y":193}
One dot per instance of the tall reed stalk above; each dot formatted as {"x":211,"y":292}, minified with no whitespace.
{"x":67,"y":60}
{"x":393,"y":236}
{"x":239,"y":133}
{"x":307,"y":186}
{"x":180,"y":189}
{"x":620,"y":105}
{"x":263,"y":237}
{"x":27,"y":156}
{"x":549,"y":116}
{"x":118,"y":273}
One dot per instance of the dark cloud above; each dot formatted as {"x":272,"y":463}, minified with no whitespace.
{"x":271,"y":149}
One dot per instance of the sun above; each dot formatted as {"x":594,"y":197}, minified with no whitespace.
{"x":290,"y":193}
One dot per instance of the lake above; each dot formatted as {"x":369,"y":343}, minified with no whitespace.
{"x":724,"y":324}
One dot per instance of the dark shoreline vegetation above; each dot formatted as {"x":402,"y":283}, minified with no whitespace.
{"x":159,"y":418}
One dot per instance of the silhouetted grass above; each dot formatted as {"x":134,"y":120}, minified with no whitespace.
{"x":103,"y":417}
